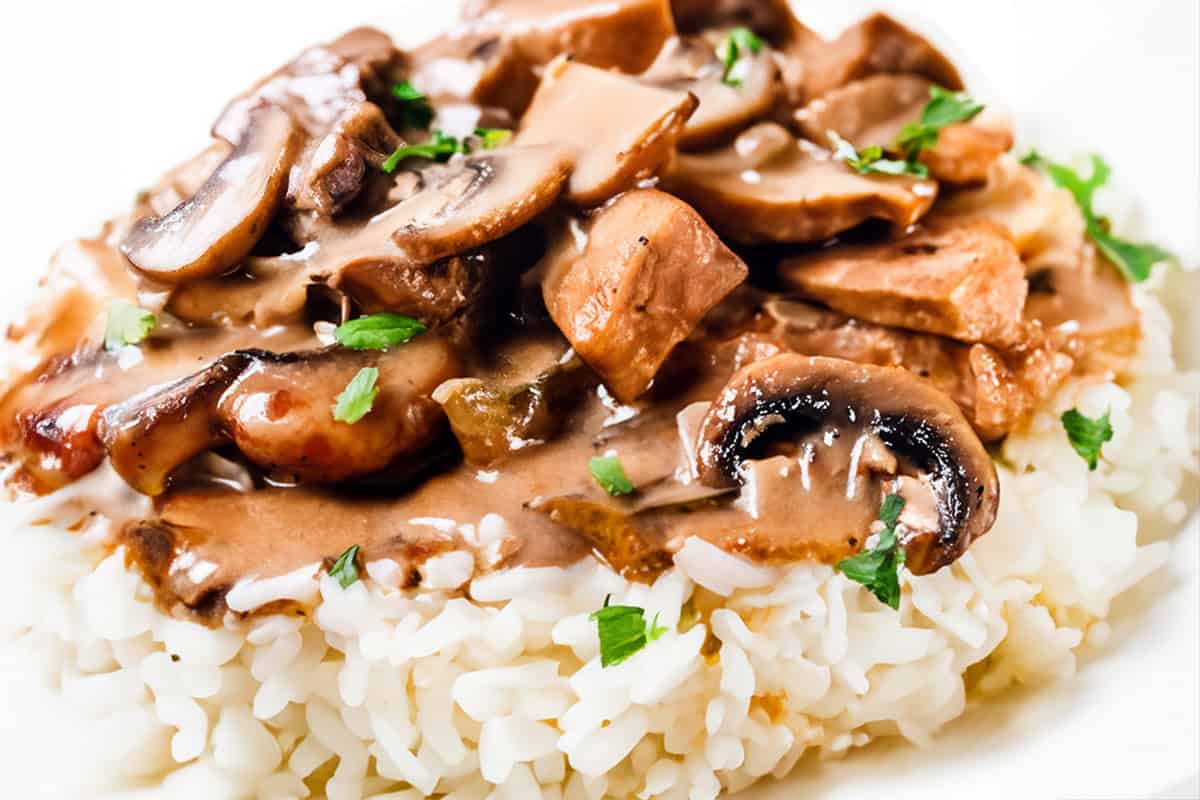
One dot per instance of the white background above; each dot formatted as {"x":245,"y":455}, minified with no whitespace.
{"x":99,"y":97}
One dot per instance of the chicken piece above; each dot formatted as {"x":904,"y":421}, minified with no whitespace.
{"x":576,"y":107}
{"x":872,"y":112}
{"x":493,"y":57}
{"x":649,"y":271}
{"x":877,"y":44}
{"x":966,"y":282}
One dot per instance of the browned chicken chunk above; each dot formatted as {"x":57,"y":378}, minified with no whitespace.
{"x":650,"y":269}
{"x":965,"y":282}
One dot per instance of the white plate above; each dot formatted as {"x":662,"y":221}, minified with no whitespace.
{"x":100,"y":97}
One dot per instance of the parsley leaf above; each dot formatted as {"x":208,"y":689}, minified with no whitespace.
{"x":345,"y":569}
{"x":944,"y":109}
{"x":439,"y":148}
{"x":609,"y":473}
{"x":358,"y":397}
{"x":1134,"y":259}
{"x":739,"y":42}
{"x":491,"y":138}
{"x":1087,"y":435}
{"x":623,"y":631}
{"x":871,"y":160}
{"x":415,"y":110}
{"x":125,"y":324}
{"x":378,"y":331}
{"x":442,"y":145}
{"x":878,"y":569}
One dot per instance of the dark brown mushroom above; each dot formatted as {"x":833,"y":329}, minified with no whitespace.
{"x":877,"y":430}
{"x":691,"y":64}
{"x":277,"y":410}
{"x":770,"y":187}
{"x":212,"y":231}
{"x":618,"y":130}
{"x":964,"y":280}
{"x":871,"y":112}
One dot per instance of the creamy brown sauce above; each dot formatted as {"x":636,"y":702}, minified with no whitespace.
{"x":577,"y":307}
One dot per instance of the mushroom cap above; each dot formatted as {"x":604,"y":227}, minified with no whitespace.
{"x":913,"y":419}
{"x":211,"y":232}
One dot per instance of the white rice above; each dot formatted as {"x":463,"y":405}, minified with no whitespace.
{"x":395,"y":695}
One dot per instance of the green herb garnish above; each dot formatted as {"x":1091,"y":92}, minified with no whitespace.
{"x":438,"y":148}
{"x":623,"y":632}
{"x":415,"y":110}
{"x":345,"y":569}
{"x":442,"y":145}
{"x":126,"y":324}
{"x":378,"y":331}
{"x":491,"y":138}
{"x":1134,"y":259}
{"x":358,"y":397}
{"x":878,"y":569}
{"x":945,"y":108}
{"x":1087,"y":435}
{"x":609,"y":473}
{"x":739,"y":42}
{"x":871,"y":160}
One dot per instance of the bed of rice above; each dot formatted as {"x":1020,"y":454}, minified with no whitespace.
{"x":384,"y":694}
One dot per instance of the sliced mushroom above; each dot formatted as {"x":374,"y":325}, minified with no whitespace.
{"x":212,"y":231}
{"x":871,"y":112}
{"x":691,"y":64}
{"x":965,"y":281}
{"x":333,"y":169}
{"x":877,"y":44}
{"x":649,"y":270}
{"x":884,"y":430}
{"x":278,"y":413}
{"x":619,"y":131}
{"x":151,"y":434}
{"x":492,"y":58}
{"x":277,"y":410}
{"x":770,"y":187}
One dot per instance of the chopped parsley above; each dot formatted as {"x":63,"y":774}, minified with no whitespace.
{"x":415,"y":110}
{"x":442,"y":145}
{"x":878,"y":569}
{"x":623,"y":632}
{"x":358,"y":397}
{"x":126,"y":324}
{"x":1087,"y":435}
{"x":609,"y":473}
{"x":945,"y":108}
{"x":740,"y":42}
{"x":345,"y":569}
{"x":1134,"y":259}
{"x":378,"y":331}
{"x":871,"y":159}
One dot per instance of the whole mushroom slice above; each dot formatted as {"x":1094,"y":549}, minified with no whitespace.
{"x":871,"y":113}
{"x":279,"y":412}
{"x":494,"y":56}
{"x":771,"y":187}
{"x":216,"y":228}
{"x":965,"y":281}
{"x":877,"y":44}
{"x":649,"y":271}
{"x":691,"y":64}
{"x":619,"y":131}
{"x":846,"y":435}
